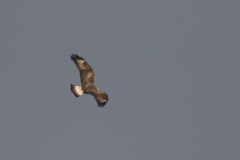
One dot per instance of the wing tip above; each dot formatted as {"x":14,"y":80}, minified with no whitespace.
{"x":101,"y":105}
{"x":75,"y":57}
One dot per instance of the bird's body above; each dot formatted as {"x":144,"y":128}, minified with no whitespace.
{"x":87,"y":81}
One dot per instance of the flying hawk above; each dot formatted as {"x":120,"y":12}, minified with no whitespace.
{"x":87,"y":81}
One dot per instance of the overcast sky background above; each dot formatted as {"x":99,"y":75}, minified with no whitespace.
{"x":170,"y":68}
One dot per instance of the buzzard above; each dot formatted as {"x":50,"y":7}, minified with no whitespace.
{"x":87,"y":81}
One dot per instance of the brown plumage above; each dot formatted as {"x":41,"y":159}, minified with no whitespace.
{"x":87,"y":81}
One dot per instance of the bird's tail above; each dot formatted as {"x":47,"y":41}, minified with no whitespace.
{"x":76,"y":90}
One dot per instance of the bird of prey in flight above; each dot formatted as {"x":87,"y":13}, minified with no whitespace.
{"x":87,"y":80}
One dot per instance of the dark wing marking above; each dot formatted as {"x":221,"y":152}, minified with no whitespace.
{"x":100,"y":97}
{"x":86,"y":72}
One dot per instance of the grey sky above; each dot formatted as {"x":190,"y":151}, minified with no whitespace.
{"x":170,"y":68}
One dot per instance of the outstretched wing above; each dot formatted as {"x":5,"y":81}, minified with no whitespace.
{"x":100,"y":97}
{"x":86,"y":72}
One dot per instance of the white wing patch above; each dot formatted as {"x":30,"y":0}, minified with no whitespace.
{"x":102,"y":100}
{"x":80,"y":63}
{"x":88,"y":75}
{"x":76,"y":90}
